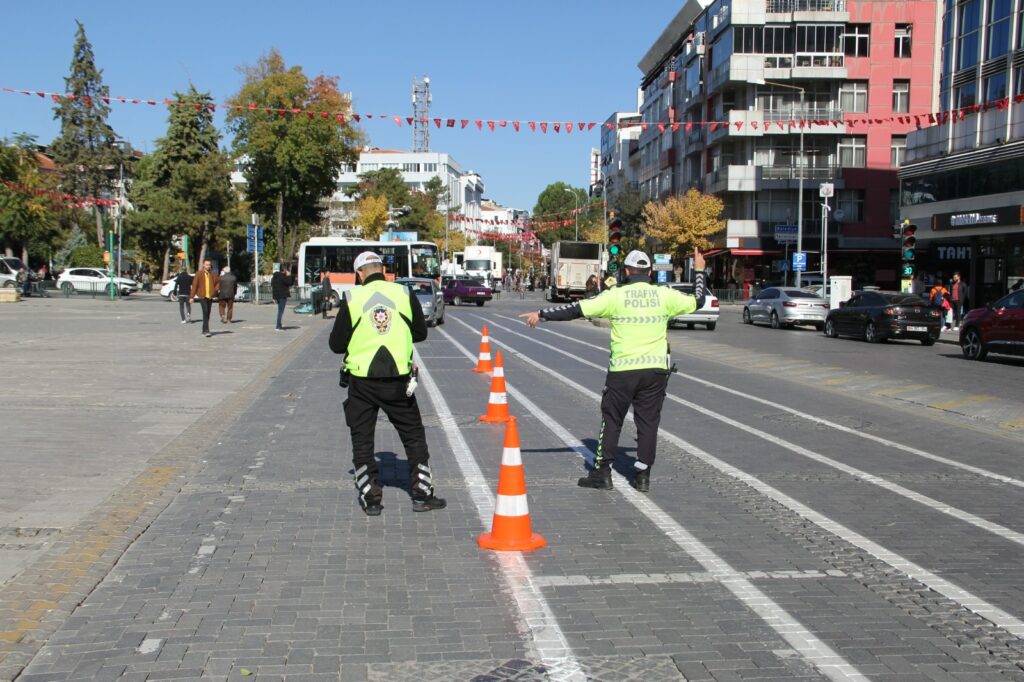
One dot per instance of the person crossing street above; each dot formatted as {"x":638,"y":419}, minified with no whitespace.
{"x":639,"y":366}
{"x":376,"y":326}
{"x":204,"y":290}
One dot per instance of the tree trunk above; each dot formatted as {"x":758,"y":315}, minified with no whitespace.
{"x":167,"y":263}
{"x":280,"y":229}
{"x":293,"y":234}
{"x":24,"y":253}
{"x":203,"y":242}
{"x":99,"y":227}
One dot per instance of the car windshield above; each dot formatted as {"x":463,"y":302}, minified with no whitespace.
{"x":420,"y":287}
{"x":903,"y":299}
{"x":800,"y":293}
{"x":471,"y":282}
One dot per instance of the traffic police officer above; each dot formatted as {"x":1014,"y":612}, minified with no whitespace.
{"x":639,"y":366}
{"x":376,"y":326}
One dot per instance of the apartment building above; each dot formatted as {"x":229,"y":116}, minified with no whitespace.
{"x":963,"y":182}
{"x":619,"y":157}
{"x":760,"y":68}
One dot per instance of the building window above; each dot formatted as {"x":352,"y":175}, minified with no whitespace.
{"x":410,"y":168}
{"x":853,"y":152}
{"x":1019,"y":73}
{"x":900,"y":97}
{"x":966,"y":95}
{"x":967,"y":44}
{"x":850,"y":206}
{"x":369,"y":167}
{"x":995,"y":87}
{"x":821,"y":38}
{"x":853,"y":97}
{"x":430,"y":168}
{"x":902,"y":50}
{"x":857,"y":40}
{"x":997,"y":41}
{"x":898,"y":151}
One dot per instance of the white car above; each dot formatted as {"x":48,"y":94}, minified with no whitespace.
{"x":9,"y":267}
{"x":707,"y":316}
{"x":93,"y":280}
{"x":167,"y":291}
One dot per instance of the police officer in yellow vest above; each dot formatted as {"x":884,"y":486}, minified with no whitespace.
{"x":639,"y":366}
{"x":376,"y":326}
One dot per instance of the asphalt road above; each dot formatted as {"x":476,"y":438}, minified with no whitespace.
{"x":819,"y":509}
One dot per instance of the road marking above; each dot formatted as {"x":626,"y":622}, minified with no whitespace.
{"x":679,"y":578}
{"x":815,"y":651}
{"x":838,"y":381}
{"x":896,"y":390}
{"x":541,"y":633}
{"x":962,"y":597}
{"x":1013,"y":424}
{"x":931,"y":503}
{"x":825,"y":422}
{"x":958,"y":402}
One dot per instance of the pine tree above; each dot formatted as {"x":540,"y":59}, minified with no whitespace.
{"x":86,"y":149}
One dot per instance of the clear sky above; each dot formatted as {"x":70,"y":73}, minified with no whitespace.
{"x":526,"y":60}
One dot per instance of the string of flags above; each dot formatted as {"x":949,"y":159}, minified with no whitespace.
{"x":567,"y":127}
{"x":71,"y":200}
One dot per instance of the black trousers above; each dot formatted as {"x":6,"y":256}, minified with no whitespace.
{"x":185,"y":307}
{"x":365,"y":398}
{"x":644,"y":389}
{"x":206,"y":304}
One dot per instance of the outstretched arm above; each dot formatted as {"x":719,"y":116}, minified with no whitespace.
{"x":563,"y":313}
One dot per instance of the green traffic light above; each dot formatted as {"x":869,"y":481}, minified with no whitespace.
{"x":614,"y":249}
{"x":613,"y":267}
{"x":908,"y":254}
{"x":908,"y":270}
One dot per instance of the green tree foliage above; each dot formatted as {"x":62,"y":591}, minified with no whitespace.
{"x":88,"y":256}
{"x":555,"y":199}
{"x":28,"y":222}
{"x":76,"y":239}
{"x":184,"y":188}
{"x":291,"y":161}
{"x":86,"y":150}
{"x":386,"y":182}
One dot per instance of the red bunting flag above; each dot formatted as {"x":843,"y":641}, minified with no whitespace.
{"x":437,"y":122}
{"x":533,"y":126}
{"x":661,"y":127}
{"x":590,"y":126}
{"x":490,"y":124}
{"x":450,"y":123}
{"x":556,"y":127}
{"x":464,"y":122}
{"x":544,"y":127}
{"x":479,"y":124}
{"x":515,"y":124}
{"x":398,"y":121}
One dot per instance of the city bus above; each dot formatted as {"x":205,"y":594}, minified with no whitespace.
{"x":337,"y":254}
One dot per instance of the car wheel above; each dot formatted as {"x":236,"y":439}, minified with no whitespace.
{"x":972,"y":346}
{"x":440,"y":320}
{"x":335,"y":299}
{"x":775,"y":321}
{"x":173,"y":297}
{"x":10,"y":284}
{"x":870,"y":333}
{"x":711,"y":326}
{"x":480,"y":304}
{"x":690,"y":325}
{"x":746,"y":316}
{"x":457,"y":300}
{"x":830,"y":329}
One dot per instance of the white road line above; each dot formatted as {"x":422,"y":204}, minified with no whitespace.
{"x":931,"y":503}
{"x":818,"y":420}
{"x":816,"y":652}
{"x":546,"y":641}
{"x":678,"y":578}
{"x":973,"y":603}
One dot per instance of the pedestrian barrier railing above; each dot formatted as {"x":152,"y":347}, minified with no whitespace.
{"x":93,"y":289}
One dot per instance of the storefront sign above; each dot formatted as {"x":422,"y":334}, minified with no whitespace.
{"x":953,"y":252}
{"x":1004,"y":215}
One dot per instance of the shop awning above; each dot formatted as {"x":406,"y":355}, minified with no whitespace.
{"x":754,"y":252}
{"x":715,"y":252}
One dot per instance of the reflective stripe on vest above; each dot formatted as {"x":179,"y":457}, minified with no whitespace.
{"x":376,"y":310}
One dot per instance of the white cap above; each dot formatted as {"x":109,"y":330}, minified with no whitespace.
{"x":638,"y":260}
{"x":366,"y":258}
{"x":226,"y":270}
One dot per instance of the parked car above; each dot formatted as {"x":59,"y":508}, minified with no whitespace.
{"x":707,"y":316}
{"x":881,"y":315}
{"x":9,"y":268}
{"x":996,"y":328}
{"x":785,"y":307}
{"x":459,"y":291}
{"x":167,"y":291}
{"x":93,"y":280}
{"x":430,"y":297}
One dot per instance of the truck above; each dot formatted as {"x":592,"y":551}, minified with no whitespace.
{"x":483,"y":263}
{"x":572,"y":264}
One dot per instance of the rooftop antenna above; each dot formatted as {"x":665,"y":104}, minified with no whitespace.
{"x":421,"y":114}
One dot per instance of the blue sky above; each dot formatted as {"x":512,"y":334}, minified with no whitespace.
{"x":526,"y":60}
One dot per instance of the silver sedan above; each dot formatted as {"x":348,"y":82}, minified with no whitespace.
{"x":785,"y":307}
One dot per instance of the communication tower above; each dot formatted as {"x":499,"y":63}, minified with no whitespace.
{"x":421,"y":114}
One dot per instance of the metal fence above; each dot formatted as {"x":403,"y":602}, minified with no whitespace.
{"x":805,"y":5}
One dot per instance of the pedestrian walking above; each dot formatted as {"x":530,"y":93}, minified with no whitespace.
{"x":281,"y":283}
{"x":326,"y":289}
{"x":958,"y":299}
{"x":183,"y":290}
{"x":639,"y":366}
{"x":204,"y":290}
{"x":226,"y":295}
{"x":593,"y":287}
{"x":376,"y":326}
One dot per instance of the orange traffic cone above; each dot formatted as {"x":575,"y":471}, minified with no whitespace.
{"x":497,"y":403}
{"x":511,"y":531}
{"x":483,"y":364}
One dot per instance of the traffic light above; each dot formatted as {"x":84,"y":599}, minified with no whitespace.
{"x":614,"y":242}
{"x":909,"y":231}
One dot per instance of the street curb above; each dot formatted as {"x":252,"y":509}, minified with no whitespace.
{"x":35,"y":603}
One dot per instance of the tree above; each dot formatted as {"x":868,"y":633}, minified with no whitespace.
{"x":372,"y":215}
{"x":28,"y":220}
{"x":386,"y":182}
{"x":685,"y":223}
{"x":86,"y":149}
{"x":290,"y":161}
{"x":555,"y":199}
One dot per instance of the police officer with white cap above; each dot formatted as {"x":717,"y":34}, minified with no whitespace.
{"x":639,"y":366}
{"x":376,"y":326}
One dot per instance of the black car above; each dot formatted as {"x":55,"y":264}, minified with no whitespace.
{"x":881,"y":315}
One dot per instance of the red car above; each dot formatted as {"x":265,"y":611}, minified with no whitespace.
{"x":996,"y":328}
{"x":459,"y":291}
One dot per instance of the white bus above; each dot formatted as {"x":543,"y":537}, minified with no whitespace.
{"x":336,"y":256}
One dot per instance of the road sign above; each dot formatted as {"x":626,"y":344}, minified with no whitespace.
{"x":662,"y":258}
{"x":659,"y":267}
{"x":662,"y":276}
{"x":826,"y":190}
{"x":253,"y":239}
{"x":799,"y":261}
{"x":785,"y":233}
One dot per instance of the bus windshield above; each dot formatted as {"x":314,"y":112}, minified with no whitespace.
{"x":337,"y":256}
{"x":477,"y":265}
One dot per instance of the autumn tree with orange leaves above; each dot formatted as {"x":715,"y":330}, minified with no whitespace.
{"x":685,"y":223}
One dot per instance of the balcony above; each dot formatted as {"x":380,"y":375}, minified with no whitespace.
{"x":741,"y":123}
{"x":772,"y":117}
{"x":733,"y":179}
{"x":806,"y":10}
{"x":819,"y":65}
{"x":788,"y":176}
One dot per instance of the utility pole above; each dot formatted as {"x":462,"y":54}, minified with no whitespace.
{"x":120,"y":214}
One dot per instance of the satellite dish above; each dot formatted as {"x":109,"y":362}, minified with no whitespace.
{"x":839,"y":214}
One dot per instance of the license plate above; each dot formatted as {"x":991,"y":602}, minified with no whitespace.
{"x":480,"y":293}
{"x":917,"y":329}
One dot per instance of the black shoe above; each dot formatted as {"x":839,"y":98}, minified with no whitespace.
{"x":642,"y":481}
{"x":426,"y":504}
{"x":373,"y":508}
{"x":600,"y":479}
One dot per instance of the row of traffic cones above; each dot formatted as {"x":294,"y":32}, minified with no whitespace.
{"x":511,"y":529}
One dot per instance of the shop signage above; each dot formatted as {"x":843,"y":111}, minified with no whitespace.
{"x":1004,"y":215}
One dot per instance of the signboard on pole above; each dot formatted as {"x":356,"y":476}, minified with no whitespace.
{"x":785,"y":234}
{"x":799,"y":261}
{"x":826,"y":190}
{"x":254,"y":239}
{"x":662,"y":276}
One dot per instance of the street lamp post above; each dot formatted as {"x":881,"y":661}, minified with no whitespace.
{"x":803,"y":163}
{"x":576,"y":197}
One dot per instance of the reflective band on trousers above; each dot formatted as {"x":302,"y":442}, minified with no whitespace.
{"x":511,"y":505}
{"x":642,"y":319}
{"x":641,"y":360}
